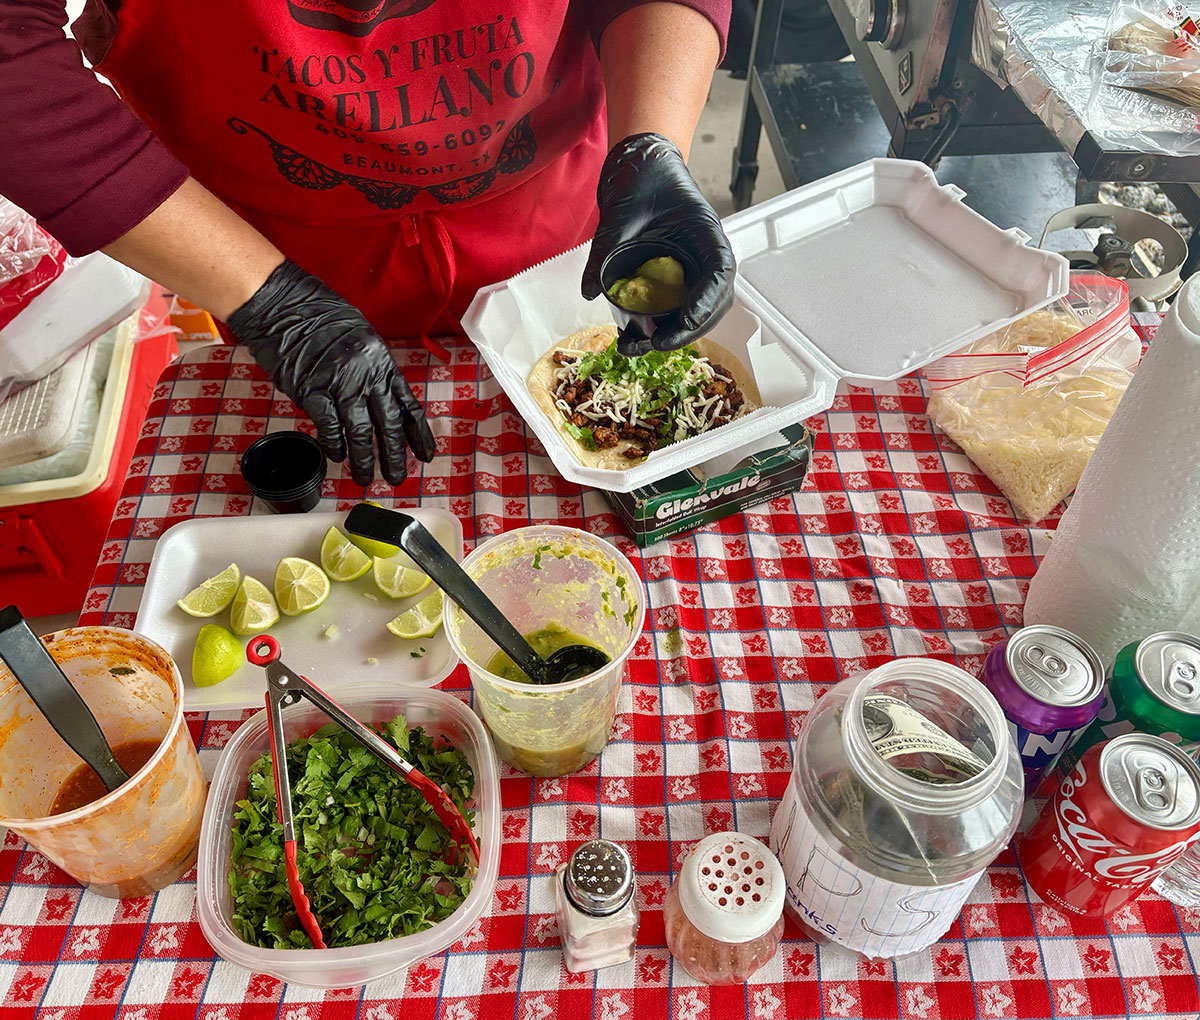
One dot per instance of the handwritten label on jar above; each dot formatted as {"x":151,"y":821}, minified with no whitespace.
{"x":853,"y":907}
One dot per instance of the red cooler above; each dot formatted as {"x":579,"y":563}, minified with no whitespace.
{"x":51,"y":531}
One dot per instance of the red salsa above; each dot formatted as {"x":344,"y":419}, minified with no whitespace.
{"x":83,"y":785}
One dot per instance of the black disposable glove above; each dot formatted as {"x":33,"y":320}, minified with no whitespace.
{"x":646,"y":191}
{"x":321,"y":352}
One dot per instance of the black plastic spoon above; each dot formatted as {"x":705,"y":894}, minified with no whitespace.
{"x":56,"y":698}
{"x":568,"y":663}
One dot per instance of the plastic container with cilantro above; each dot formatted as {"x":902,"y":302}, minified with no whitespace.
{"x":444,"y":719}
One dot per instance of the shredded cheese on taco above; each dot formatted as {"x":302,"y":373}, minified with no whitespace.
{"x":649,"y":401}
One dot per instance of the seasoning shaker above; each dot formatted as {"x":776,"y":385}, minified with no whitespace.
{"x":724,"y":913}
{"x":597,"y":909}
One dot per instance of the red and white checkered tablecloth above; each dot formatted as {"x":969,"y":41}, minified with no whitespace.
{"x":895,"y":546}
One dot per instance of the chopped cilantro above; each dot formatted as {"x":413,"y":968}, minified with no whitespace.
{"x":373,"y":856}
{"x":583,"y":436}
{"x":537,"y":556}
{"x":666,"y":381}
{"x":418,"y":653}
{"x":121,"y":670}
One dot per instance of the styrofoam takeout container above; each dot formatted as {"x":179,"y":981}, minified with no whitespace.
{"x":373,"y":703}
{"x":864,"y":276}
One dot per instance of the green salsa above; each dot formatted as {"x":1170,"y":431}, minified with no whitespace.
{"x":545,"y":642}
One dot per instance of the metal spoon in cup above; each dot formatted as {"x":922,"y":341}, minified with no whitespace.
{"x":49,"y":688}
{"x":568,"y":663}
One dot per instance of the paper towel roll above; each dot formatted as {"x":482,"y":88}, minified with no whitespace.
{"x":1125,"y":561}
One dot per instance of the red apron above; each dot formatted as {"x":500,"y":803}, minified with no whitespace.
{"x":407,"y":152}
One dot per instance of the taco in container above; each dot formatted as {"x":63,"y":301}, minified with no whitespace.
{"x":616,"y":411}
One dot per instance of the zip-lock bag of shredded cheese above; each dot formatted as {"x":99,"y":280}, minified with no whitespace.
{"x":1029,"y":402}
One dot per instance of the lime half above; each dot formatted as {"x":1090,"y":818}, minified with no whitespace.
{"x":300,"y":585}
{"x":397,"y":580}
{"x":341,"y":559}
{"x":370,"y":546}
{"x":211,"y":596}
{"x":216,"y":656}
{"x":253,"y":608}
{"x":422,"y":620}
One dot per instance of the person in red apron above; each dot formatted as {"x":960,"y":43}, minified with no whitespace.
{"x":323,"y":173}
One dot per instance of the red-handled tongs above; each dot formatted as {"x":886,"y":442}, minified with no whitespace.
{"x":286,"y":687}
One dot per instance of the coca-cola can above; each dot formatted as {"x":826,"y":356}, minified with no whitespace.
{"x":1129,"y":807}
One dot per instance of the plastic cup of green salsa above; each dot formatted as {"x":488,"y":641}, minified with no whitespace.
{"x":549,"y":579}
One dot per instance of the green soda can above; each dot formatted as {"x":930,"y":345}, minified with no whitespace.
{"x":1154,"y":687}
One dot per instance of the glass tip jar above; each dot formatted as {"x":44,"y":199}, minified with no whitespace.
{"x":724,"y":913}
{"x":597,"y":910}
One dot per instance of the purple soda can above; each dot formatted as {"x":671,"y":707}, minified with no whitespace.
{"x":1050,"y":684}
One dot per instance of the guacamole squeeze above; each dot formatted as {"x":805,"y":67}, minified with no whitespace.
{"x":656,"y":287}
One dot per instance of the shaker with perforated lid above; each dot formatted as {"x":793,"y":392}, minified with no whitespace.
{"x":597,"y":909}
{"x":724,"y":912}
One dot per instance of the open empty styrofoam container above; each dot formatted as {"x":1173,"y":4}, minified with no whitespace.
{"x":864,"y":276}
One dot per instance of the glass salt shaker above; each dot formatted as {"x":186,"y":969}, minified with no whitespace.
{"x":597,"y":910}
{"x":724,"y":913}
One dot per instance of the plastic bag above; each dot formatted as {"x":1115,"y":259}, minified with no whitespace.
{"x":22,"y":244}
{"x":1155,"y":50}
{"x":1146,"y":70}
{"x":1029,"y":402}
{"x":30,"y":259}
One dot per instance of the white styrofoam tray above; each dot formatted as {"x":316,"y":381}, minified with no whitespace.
{"x":189,"y":552}
{"x":40,"y":419}
{"x":54,"y":480}
{"x":864,"y":276}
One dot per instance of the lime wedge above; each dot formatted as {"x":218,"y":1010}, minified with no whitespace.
{"x":253,"y":607}
{"x":370,"y":546}
{"x":397,"y":580}
{"x":216,"y":656}
{"x":300,"y":585}
{"x":340,"y":559}
{"x":211,"y":596}
{"x":422,"y":620}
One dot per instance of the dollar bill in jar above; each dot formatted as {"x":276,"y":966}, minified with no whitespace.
{"x":905,"y":786}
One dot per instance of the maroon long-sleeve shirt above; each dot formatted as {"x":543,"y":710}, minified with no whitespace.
{"x":76,"y":157}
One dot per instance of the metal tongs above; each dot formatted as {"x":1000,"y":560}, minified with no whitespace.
{"x":286,"y":687}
